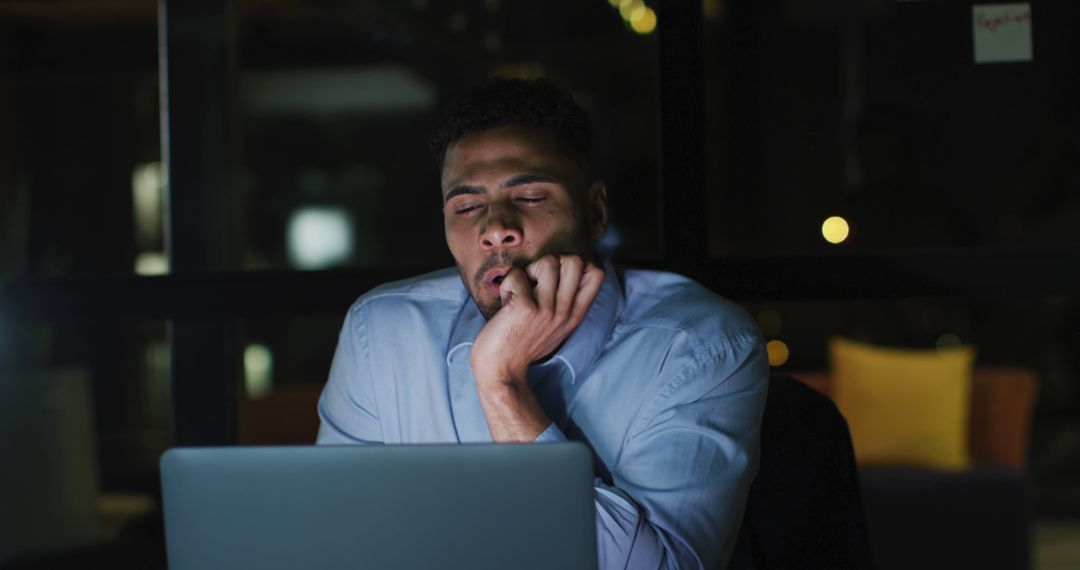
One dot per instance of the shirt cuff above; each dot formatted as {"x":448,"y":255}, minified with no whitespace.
{"x":551,"y":434}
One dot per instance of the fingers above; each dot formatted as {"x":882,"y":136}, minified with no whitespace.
{"x":592,"y":279}
{"x":570,"y":270}
{"x":565,"y":287}
{"x":545,"y":272}
{"x":535,"y":320}
{"x":516,"y":288}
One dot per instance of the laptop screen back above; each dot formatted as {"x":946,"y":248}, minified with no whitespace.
{"x":418,"y":506}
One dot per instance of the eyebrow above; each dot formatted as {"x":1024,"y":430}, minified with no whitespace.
{"x":463,"y":189}
{"x":522,"y":179}
{"x":518,"y":180}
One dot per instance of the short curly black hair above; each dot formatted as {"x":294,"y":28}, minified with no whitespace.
{"x":522,"y":102}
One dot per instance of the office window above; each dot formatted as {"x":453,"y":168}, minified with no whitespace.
{"x":881,"y":113}
{"x":337,"y":104}
{"x":78,"y":114}
{"x":85,"y":413}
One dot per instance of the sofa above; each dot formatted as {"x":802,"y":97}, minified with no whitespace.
{"x":975,"y":517}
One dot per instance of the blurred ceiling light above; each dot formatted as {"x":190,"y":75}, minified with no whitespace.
{"x":835,"y":229}
{"x":639,"y":16}
{"x":627,"y":8}
{"x":319,"y":237}
{"x":258,"y":370}
{"x":778,"y":352}
{"x":147,"y":195}
{"x":378,"y":89}
{"x":151,"y":263}
{"x":646,"y":24}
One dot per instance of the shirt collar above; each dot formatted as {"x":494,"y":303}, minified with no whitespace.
{"x":582,"y":347}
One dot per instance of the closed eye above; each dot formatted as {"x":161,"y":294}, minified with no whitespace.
{"x":467,"y":208}
{"x":531,"y":199}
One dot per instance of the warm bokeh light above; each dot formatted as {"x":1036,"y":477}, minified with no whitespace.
{"x":639,"y":16}
{"x":835,"y":229}
{"x":646,"y":24}
{"x":778,"y":352}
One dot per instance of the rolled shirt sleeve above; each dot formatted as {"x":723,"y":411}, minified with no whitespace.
{"x":681,"y":482}
{"x":347,"y":409}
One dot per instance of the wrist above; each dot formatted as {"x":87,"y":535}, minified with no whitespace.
{"x":496,"y":376}
{"x":512,"y":413}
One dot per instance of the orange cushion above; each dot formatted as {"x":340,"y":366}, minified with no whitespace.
{"x":1002,"y":399}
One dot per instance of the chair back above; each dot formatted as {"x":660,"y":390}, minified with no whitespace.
{"x":805,"y":508}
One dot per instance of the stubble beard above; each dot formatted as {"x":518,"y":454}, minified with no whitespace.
{"x":476,"y":284}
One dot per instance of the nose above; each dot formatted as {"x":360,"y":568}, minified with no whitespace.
{"x":499,"y":230}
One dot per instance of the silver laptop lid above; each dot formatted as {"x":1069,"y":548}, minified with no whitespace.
{"x":357,"y":507}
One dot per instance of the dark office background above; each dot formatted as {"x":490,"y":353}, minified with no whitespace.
{"x":133,"y":317}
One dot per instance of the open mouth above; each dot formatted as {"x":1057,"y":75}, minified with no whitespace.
{"x":495,"y":276}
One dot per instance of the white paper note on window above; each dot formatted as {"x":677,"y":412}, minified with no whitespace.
{"x":1002,"y":32}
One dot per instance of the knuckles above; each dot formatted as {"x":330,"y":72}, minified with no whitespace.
{"x":538,"y":328}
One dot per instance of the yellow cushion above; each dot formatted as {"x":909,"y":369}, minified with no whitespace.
{"x":904,"y":407}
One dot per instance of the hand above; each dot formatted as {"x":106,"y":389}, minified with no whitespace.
{"x":534,"y":321}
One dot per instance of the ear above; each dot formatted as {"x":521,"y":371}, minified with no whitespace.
{"x":597,"y":204}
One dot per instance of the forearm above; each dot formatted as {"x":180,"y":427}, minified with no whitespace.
{"x":624,"y":537}
{"x":512,"y":412}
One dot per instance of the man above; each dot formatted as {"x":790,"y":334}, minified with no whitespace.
{"x":534,"y":338}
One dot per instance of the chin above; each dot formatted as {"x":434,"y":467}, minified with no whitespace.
{"x":488,"y":307}
{"x":488,"y":310}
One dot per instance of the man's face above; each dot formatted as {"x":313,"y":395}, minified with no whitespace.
{"x":511,"y":196}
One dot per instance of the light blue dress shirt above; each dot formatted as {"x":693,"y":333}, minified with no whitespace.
{"x":663,"y":380}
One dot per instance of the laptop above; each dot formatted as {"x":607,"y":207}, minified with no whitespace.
{"x":359,"y":507}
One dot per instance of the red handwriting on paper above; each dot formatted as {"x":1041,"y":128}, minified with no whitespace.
{"x":994,"y":22}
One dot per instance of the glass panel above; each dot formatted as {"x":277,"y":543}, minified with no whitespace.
{"x":338,"y":104}
{"x":78,"y":115}
{"x":286,"y":361}
{"x":85,"y":416}
{"x":890,"y":115}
